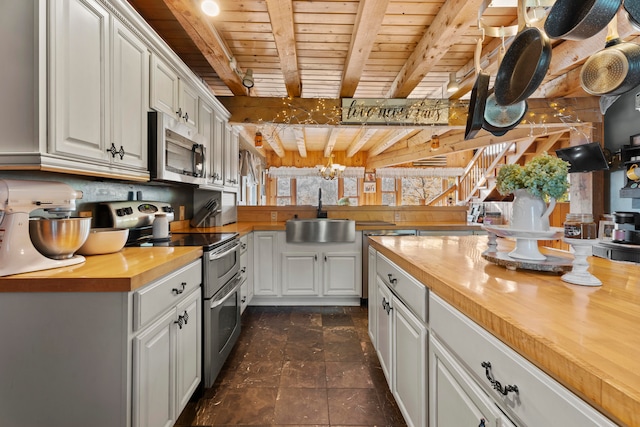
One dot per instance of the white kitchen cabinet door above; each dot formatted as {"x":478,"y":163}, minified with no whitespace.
{"x":265,"y":262}
{"x":455,"y":400}
{"x":342,"y":273}
{"x":300,"y":273}
{"x":373,"y":294}
{"x":188,"y":100}
{"x":130,"y":102}
{"x":206,"y":128}
{"x":164,"y":87}
{"x":409,"y":365}
{"x":217,"y":151}
{"x":79,"y":113}
{"x":189,"y":349}
{"x":231,"y":158}
{"x":154,"y":364}
{"x":384,"y":338}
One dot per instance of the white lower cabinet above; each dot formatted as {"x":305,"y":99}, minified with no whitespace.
{"x":246,"y":270}
{"x":474,"y":375}
{"x":104,"y":359}
{"x":373,"y":295}
{"x":402,"y":339}
{"x":306,"y":273}
{"x":456,"y":400}
{"x":167,"y":353}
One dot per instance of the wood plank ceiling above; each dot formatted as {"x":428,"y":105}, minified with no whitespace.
{"x":331,"y":49}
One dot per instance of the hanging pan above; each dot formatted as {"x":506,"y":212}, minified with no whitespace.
{"x":632,"y":7}
{"x":615,"y":69}
{"x":500,"y":119}
{"x":478,"y":100}
{"x":579,"y":19}
{"x":525,"y":63}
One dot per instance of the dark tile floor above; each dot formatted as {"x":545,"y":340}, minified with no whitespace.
{"x":295,"y":366}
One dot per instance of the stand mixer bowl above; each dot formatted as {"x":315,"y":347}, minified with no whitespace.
{"x":59,"y":238}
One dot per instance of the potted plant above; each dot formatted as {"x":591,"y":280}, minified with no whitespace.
{"x":543,"y":178}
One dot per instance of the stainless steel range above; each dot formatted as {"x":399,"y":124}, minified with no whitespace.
{"x":221,"y":278}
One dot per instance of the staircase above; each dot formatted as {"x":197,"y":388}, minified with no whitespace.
{"x":478,"y":183}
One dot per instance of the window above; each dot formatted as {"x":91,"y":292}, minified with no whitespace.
{"x":283,"y":192}
{"x":307,"y":190}
{"x":351,"y":190}
{"x":419,"y":190}
{"x":388,"y":189}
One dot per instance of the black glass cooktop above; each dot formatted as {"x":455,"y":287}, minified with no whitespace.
{"x":208,"y":241}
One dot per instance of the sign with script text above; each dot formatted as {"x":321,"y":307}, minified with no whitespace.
{"x":395,"y":111}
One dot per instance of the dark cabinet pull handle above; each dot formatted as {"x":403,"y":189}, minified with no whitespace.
{"x":243,"y":269}
{"x":482,"y":422}
{"x":115,"y":152}
{"x":496,"y":384}
{"x":186,"y":116}
{"x":385,"y":305}
{"x":180,"y":322}
{"x":244,"y":299}
{"x":392,"y":279}
{"x":177,"y":291}
{"x":179,"y":112}
{"x":185,"y":316}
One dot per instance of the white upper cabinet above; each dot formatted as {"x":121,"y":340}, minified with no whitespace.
{"x":171,"y":94}
{"x":130,"y":101}
{"x":79,"y":78}
{"x":231,"y":158}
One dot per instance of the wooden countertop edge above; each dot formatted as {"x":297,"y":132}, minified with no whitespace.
{"x":585,"y":380}
{"x":70,"y":281}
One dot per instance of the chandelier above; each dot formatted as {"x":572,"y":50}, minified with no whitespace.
{"x":331,"y":170}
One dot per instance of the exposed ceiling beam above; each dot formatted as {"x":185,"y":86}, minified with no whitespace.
{"x":299,"y":135}
{"x":452,"y":21}
{"x":281,"y":15}
{"x":367,"y":26}
{"x":331,"y":141}
{"x":202,"y":33}
{"x":450,"y":143}
{"x":361,"y":139}
{"x":389,"y":141}
{"x":271,"y":136}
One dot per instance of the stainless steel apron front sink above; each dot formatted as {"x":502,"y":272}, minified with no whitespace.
{"x":321,"y":230}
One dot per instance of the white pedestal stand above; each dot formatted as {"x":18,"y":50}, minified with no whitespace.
{"x":579,"y":274}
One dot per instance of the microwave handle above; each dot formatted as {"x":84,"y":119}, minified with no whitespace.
{"x":195,"y":150}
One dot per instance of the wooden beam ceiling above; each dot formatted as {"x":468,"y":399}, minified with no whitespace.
{"x":281,"y":15}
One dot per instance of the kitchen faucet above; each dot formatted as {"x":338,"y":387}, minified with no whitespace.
{"x":321,"y":213}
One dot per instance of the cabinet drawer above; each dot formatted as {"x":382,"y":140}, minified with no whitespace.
{"x":540,"y":400}
{"x":151,"y":300}
{"x":411,"y":292}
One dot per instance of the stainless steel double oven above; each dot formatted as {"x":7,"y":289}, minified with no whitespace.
{"x":221,"y":282}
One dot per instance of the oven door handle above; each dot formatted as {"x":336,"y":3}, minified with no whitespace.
{"x":216,"y":255}
{"x":221,"y":301}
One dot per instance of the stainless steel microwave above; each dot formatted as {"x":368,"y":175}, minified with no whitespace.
{"x":176,"y":151}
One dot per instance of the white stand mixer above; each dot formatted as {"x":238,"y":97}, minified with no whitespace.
{"x":17,"y":200}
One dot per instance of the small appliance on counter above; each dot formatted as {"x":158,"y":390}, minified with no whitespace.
{"x":625,"y":239}
{"x":139,"y":217}
{"x":18,"y":199}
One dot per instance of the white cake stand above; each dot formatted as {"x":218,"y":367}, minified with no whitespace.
{"x":579,"y":274}
{"x":526,"y":240}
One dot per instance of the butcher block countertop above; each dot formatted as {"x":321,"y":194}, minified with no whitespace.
{"x":587,"y":338}
{"x":122,"y":271}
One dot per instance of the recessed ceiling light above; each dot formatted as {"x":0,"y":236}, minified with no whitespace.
{"x":210,"y":7}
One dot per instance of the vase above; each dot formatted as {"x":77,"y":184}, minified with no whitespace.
{"x":530,"y":213}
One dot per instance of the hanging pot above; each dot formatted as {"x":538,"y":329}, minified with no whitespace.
{"x":525,"y":63}
{"x":615,"y":69}
{"x":478,"y":100}
{"x":579,"y":19}
{"x":632,"y":7}
{"x":500,"y":119}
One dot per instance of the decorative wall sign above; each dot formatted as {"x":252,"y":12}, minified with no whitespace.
{"x":395,"y":111}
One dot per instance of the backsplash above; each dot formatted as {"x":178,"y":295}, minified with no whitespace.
{"x":97,"y":190}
